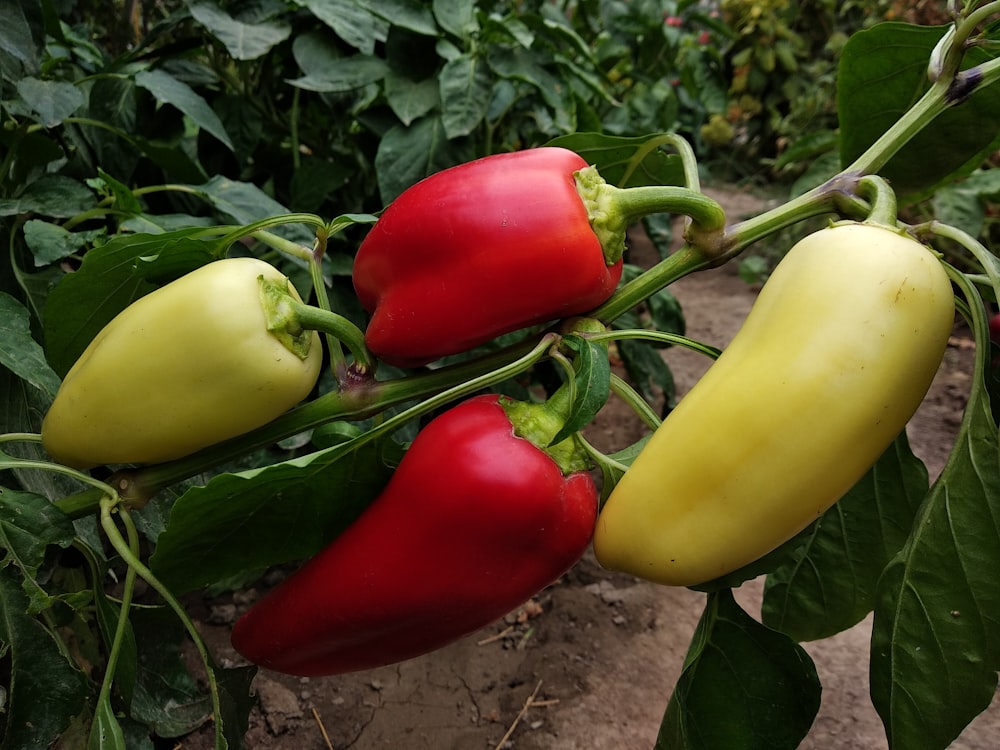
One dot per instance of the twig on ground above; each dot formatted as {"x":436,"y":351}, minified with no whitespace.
{"x":529,"y":703}
{"x":322,"y":729}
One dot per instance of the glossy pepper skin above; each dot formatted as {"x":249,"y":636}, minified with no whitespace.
{"x":474,"y":521}
{"x":834,"y":358}
{"x":186,"y":366}
{"x":478,"y":250}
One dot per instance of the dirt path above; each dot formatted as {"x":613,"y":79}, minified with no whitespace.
{"x":596,"y":655}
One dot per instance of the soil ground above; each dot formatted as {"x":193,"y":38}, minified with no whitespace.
{"x":589,"y":664}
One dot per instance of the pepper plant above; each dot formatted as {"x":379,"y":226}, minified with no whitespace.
{"x":353,"y":460}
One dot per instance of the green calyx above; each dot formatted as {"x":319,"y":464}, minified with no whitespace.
{"x":281,"y":319}
{"x":538,"y":424}
{"x":598,"y":197}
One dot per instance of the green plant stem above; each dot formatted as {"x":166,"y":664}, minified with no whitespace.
{"x":634,"y":401}
{"x":882,"y":199}
{"x":135,"y":564}
{"x":136,"y":486}
{"x":668,"y":270}
{"x":989,"y":262}
{"x":337,"y":361}
{"x":689,"y":161}
{"x":340,"y":328}
{"x":126,"y":602}
{"x":659,"y":336}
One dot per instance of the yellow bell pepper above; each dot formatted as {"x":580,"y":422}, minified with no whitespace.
{"x":834,"y":358}
{"x":189,"y":365}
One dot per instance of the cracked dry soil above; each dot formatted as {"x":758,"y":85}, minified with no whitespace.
{"x":595,"y":656}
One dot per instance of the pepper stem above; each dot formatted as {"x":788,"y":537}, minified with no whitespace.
{"x":612,"y":209}
{"x":538,"y":423}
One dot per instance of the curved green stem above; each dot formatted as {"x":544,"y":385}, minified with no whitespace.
{"x":668,"y":270}
{"x":660,"y":336}
{"x":989,"y":262}
{"x":135,"y":564}
{"x":882,"y":199}
{"x":634,"y":401}
{"x":337,"y":326}
{"x":337,"y":361}
{"x":126,"y":602}
{"x":689,"y":162}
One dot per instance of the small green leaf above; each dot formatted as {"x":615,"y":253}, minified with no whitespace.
{"x":465,"y":86}
{"x":592,"y":385}
{"x":106,"y":733}
{"x":829,"y":583}
{"x":326,"y":70}
{"x":351,"y":21}
{"x":615,"y":156}
{"x":244,"y":41}
{"x":407,"y":14}
{"x":457,"y":17}
{"x":51,"y":195}
{"x":45,"y":691}
{"x":50,"y":242}
{"x":19,"y":352}
{"x":410,"y":99}
{"x":176,"y":93}
{"x":53,"y":101}
{"x":262,"y":517}
{"x":743,"y":686}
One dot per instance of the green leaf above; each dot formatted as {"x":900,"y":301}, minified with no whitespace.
{"x":351,"y":21}
{"x":829,"y":583}
{"x":883,"y":71}
{"x":106,"y":283}
{"x":166,"y":696}
{"x":410,"y":99}
{"x":344,"y":74}
{"x":742,"y":686}
{"x":50,"y":242}
{"x":17,"y":37}
{"x":176,"y":93}
{"x":465,"y":85}
{"x":50,"y":195}
{"x":262,"y":517}
{"x":936,"y":635}
{"x":53,"y":101}
{"x":19,"y":352}
{"x":592,"y":385}
{"x":44,"y":690}
{"x":408,"y":14}
{"x":106,"y":733}
{"x":626,"y":161}
{"x":457,"y":17}
{"x":236,"y":700}
{"x":29,"y":523}
{"x":244,"y":41}
{"x":962,"y":204}
{"x":408,"y":154}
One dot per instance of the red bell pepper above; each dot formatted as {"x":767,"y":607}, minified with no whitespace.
{"x":474,"y":521}
{"x":485,"y":248}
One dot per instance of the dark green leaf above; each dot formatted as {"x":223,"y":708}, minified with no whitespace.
{"x":743,"y":686}
{"x":45,"y":691}
{"x":457,"y":17}
{"x":28,"y":524}
{"x":124,"y":201}
{"x":50,"y":195}
{"x":19,"y":352}
{"x":277,"y":514}
{"x":409,"y":14}
{"x":648,"y":370}
{"x":166,"y":695}
{"x":935,"y":639}
{"x":408,"y":154}
{"x":883,"y":71}
{"x":236,"y":698}
{"x":351,"y":21}
{"x":410,"y":99}
{"x":53,"y":101}
{"x":592,"y":385}
{"x":626,"y":162}
{"x":21,"y":34}
{"x":327,"y":71}
{"x":243,"y":40}
{"x":106,"y":733}
{"x":50,"y":242}
{"x":829,"y":583}
{"x":172,"y":91}
{"x":465,"y":86}
{"x":962,"y":204}
{"x":107,"y":282}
